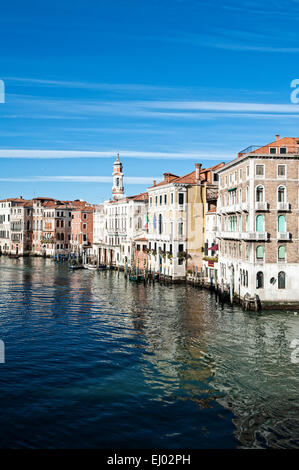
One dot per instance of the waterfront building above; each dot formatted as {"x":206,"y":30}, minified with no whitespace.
{"x":81,"y":227}
{"x":176,"y":222}
{"x":15,"y":226}
{"x":37,"y":224}
{"x":21,"y":218}
{"x":98,"y":231}
{"x":201,"y":229}
{"x":258,"y":208}
{"x":141,"y":253}
{"x":56,"y":228}
{"x":124,"y":222}
{"x":5,"y":244}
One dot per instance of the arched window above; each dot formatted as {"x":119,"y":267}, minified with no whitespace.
{"x":281,"y":193}
{"x":260,"y":223}
{"x":281,"y":223}
{"x":281,"y":280}
{"x":160,"y":224}
{"x":260,"y":252}
{"x":259,"y":194}
{"x":260,"y":280}
{"x":117,"y":181}
{"x":281,"y":253}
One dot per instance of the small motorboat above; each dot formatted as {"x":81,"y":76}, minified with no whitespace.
{"x":92,"y":267}
{"x":14,"y":256}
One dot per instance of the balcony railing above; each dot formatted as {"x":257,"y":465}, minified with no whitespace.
{"x":261,"y":206}
{"x":283,"y":206}
{"x":255,"y":236}
{"x":229,"y":235}
{"x":230,"y":209}
{"x":284,"y":236}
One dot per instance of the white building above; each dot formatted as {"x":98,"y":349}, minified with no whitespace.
{"x":124,"y":221}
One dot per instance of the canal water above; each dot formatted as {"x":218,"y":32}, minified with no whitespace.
{"x":93,"y":361}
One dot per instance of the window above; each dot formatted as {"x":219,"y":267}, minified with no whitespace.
{"x":259,"y":194}
{"x":180,"y":227}
{"x":171,"y":198}
{"x":260,"y":280}
{"x":281,"y":280}
{"x":281,"y":223}
{"x":273,"y":150}
{"x":117,"y":181}
{"x":281,"y":194}
{"x":181,"y":198}
{"x":281,"y":253}
{"x":160,"y":224}
{"x":259,"y":223}
{"x":138,"y":247}
{"x":281,"y":171}
{"x":259,"y":170}
{"x":160,"y":200}
{"x":259,"y":252}
{"x":283,"y":150}
{"x":165,"y":198}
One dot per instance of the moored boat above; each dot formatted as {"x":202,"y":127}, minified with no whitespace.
{"x":92,"y":267}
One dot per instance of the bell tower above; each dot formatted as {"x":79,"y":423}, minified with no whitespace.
{"x":118,"y":187}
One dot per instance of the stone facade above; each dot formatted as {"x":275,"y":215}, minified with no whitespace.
{"x":258,"y":224}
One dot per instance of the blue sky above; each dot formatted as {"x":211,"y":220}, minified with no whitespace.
{"x":165,"y":83}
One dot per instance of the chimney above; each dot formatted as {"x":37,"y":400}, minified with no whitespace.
{"x":154,"y":183}
{"x":21,"y":197}
{"x":197,"y":172}
{"x":277,"y":137}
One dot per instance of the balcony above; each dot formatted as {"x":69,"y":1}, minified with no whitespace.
{"x":283,"y":206}
{"x":229,"y":235}
{"x":261,"y":206}
{"x":284,"y":236}
{"x":16,"y":228}
{"x":255,"y":236}
{"x":245,"y":206}
{"x":231,"y":209}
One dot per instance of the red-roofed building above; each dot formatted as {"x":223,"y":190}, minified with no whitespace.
{"x":258,"y":227}
{"x":172,"y":238}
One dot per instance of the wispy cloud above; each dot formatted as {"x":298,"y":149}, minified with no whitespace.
{"x":52,"y":154}
{"x":78,"y":179}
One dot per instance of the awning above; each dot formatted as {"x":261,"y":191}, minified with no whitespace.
{"x":231,"y":189}
{"x":214,"y":248}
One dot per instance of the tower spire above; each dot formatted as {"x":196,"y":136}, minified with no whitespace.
{"x":118,"y":187}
